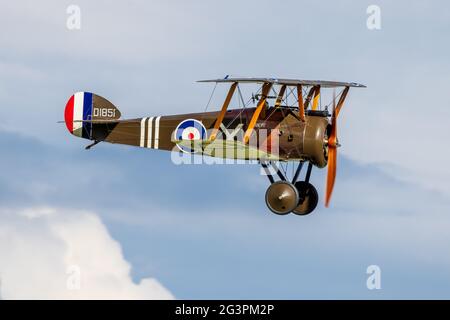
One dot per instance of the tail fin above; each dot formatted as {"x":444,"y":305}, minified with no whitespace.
{"x":85,"y":108}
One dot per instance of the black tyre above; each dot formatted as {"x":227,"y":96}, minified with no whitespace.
{"x":308,"y":198}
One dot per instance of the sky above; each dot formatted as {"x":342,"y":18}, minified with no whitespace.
{"x":120,"y":222}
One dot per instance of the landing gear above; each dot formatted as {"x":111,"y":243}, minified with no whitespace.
{"x":283,"y":197}
{"x":308,"y":198}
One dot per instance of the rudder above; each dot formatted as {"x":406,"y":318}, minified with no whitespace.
{"x":83,"y":109}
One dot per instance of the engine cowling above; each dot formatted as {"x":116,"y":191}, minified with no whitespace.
{"x":314,"y":137}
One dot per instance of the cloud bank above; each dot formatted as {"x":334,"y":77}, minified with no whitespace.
{"x":56,"y":253}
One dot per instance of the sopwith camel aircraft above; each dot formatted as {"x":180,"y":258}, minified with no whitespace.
{"x":272,"y":131}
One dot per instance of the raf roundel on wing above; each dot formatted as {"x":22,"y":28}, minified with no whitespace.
{"x":190,"y":130}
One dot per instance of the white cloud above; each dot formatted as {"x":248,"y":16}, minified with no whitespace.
{"x":50,"y":253}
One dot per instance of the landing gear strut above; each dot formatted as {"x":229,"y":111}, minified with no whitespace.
{"x":283,"y":197}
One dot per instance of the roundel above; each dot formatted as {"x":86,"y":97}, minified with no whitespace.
{"x":189,"y":130}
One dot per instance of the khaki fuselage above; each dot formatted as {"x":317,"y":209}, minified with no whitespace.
{"x":278,"y":133}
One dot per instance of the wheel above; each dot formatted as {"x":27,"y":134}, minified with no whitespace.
{"x":282,"y":197}
{"x":308,"y":198}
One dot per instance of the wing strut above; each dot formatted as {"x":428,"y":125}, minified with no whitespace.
{"x":341,"y":100}
{"x":301,"y":106}
{"x":309,"y":97}
{"x":280,"y":96}
{"x":316,"y":98}
{"x":223,"y":111}
{"x":261,"y":104}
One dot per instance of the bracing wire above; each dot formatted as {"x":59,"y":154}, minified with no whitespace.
{"x":210,"y":97}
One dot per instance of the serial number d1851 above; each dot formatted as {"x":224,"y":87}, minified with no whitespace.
{"x":260,"y":309}
{"x":104,"y":112}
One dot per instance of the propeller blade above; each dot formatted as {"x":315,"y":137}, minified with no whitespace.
{"x":332,"y":156}
{"x":331,"y":174}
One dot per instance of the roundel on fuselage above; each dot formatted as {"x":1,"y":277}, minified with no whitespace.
{"x":189,"y":130}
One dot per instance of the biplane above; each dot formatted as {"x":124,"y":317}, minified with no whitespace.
{"x":285,"y":121}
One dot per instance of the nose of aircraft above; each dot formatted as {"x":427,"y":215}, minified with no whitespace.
{"x":315,"y":135}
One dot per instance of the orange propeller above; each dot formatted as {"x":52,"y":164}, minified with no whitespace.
{"x":332,"y":155}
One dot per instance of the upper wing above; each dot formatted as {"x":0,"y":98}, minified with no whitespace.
{"x":290,"y":82}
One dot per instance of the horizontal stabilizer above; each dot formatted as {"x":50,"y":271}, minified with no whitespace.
{"x":97,"y":121}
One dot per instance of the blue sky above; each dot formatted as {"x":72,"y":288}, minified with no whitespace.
{"x":204,"y":231}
